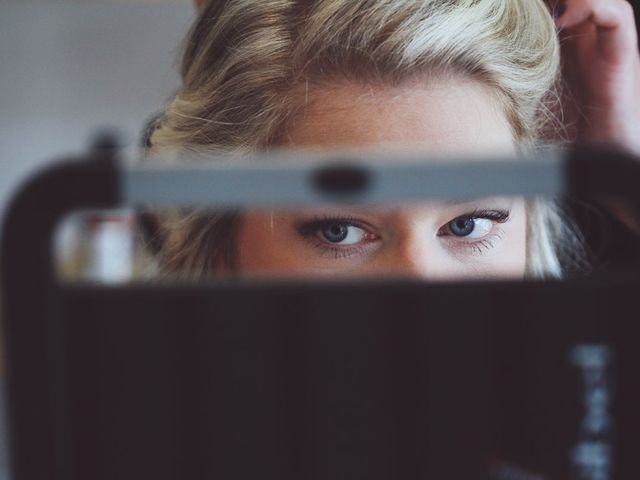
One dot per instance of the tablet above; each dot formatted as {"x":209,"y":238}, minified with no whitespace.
{"x":284,"y":379}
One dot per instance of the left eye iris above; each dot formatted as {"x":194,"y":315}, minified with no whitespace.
{"x":470,"y":227}
{"x":341,"y":233}
{"x":462,"y":227}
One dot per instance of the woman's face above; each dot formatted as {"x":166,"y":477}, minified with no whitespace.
{"x":468,"y":239}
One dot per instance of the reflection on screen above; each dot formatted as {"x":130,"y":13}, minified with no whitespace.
{"x":491,"y":238}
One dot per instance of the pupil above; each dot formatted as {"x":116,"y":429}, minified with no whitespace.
{"x":462,"y":227}
{"x":335,"y":232}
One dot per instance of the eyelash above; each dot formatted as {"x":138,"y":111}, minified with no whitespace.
{"x":484,"y":244}
{"x":310,"y":229}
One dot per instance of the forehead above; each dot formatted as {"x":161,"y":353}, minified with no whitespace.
{"x":445,"y":116}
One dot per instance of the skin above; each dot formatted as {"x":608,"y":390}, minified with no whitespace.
{"x":601,"y":68}
{"x":445,"y":117}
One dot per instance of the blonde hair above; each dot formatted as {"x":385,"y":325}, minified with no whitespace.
{"x":248,"y":64}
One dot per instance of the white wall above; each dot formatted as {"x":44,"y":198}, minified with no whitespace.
{"x":69,"y":67}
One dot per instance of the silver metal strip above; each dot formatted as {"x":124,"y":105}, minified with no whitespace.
{"x":288,"y":180}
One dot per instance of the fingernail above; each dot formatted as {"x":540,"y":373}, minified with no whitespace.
{"x":559,"y":10}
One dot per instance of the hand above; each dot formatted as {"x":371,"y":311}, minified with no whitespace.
{"x":601,"y":66}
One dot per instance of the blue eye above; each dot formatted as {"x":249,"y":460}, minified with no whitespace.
{"x":335,"y":232}
{"x":462,"y":227}
{"x":470,"y":227}
{"x":340,"y":233}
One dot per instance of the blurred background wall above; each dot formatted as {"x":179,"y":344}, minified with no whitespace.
{"x":70,"y":67}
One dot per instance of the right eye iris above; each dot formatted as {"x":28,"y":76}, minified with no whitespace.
{"x":335,"y":232}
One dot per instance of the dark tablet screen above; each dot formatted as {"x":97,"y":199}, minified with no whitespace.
{"x":396,"y":380}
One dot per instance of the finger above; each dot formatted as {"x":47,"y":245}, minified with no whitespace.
{"x":614,"y":22}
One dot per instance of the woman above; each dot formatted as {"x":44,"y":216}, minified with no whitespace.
{"x":445,"y":76}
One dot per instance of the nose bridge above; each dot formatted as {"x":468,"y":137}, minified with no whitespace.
{"x":414,"y":252}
